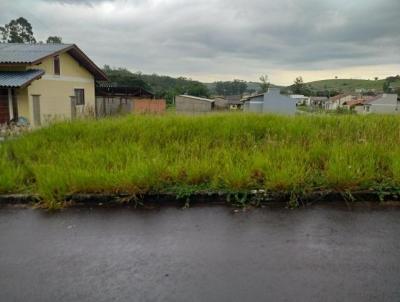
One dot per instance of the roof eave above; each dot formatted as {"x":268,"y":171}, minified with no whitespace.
{"x":96,"y":71}
{"x":65,"y":49}
{"x":33,"y":79}
{"x":14,"y":63}
{"x":27,"y":83}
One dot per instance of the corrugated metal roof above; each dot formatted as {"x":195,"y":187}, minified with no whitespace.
{"x":249,"y":97}
{"x":28,"y":53}
{"x":15,"y":79}
{"x":196,"y":98}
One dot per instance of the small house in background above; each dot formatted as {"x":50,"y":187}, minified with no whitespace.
{"x":300,"y":99}
{"x":270,"y":102}
{"x":318,"y":101}
{"x":221,"y":104}
{"x":235,"y":102}
{"x":384,"y":104}
{"x":193,"y":104}
{"x":231,"y":102}
{"x":338,"y":101}
{"x":254,"y":103}
{"x":112,"y":99}
{"x":356,"y":105}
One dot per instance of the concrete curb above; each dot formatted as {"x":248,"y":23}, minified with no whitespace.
{"x":18,"y":199}
{"x":255,"y":198}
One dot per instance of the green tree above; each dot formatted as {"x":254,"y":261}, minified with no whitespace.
{"x":298,"y":86}
{"x":54,"y":40}
{"x":220,"y":88}
{"x":386,"y":86}
{"x":264,"y":85}
{"x":124,"y":77}
{"x":235,"y":87}
{"x":17,"y":31}
{"x":162,"y":86}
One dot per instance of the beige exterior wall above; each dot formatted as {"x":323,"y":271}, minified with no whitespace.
{"x":55,"y":90}
{"x":23,"y":102}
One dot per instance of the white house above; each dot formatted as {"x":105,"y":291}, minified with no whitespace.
{"x":384,"y":104}
{"x":317,"y":101}
{"x":338,"y":101}
{"x":270,"y":102}
{"x":300,"y":99}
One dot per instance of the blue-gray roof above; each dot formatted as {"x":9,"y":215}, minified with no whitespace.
{"x":15,"y":79}
{"x":19,"y":53}
{"x":28,"y":53}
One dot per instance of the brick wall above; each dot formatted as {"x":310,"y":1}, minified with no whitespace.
{"x":149,"y":105}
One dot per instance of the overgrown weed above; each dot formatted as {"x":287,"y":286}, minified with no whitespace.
{"x":211,"y":153}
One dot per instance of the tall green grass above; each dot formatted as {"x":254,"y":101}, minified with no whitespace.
{"x":221,"y":152}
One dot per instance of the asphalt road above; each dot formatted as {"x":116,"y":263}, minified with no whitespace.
{"x":200,"y":254}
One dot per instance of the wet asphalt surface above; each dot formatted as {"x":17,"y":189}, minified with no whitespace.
{"x":200,"y":254}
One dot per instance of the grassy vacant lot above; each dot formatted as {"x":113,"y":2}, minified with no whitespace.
{"x":222,"y":152}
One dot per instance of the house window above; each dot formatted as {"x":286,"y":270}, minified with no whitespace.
{"x":56,"y":65}
{"x":80,"y":96}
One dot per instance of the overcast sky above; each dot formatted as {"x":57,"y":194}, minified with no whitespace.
{"x":212,"y":40}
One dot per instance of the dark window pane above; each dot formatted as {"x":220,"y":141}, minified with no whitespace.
{"x":57,"y":65}
{"x":80,"y":96}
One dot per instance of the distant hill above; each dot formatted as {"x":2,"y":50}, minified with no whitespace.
{"x":168,"y":87}
{"x":251,"y":86}
{"x":347,"y":85}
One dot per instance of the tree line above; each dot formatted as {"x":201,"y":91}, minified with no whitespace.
{"x":388,"y":85}
{"x":162,"y":86}
{"x":20,"y":31}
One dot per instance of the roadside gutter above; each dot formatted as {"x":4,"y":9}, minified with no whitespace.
{"x":240,"y":198}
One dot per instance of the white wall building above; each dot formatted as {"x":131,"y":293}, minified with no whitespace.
{"x":271,"y":102}
{"x":383,"y":104}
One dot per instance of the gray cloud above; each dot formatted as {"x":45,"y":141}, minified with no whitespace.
{"x":225,"y":37}
{"x":79,"y":2}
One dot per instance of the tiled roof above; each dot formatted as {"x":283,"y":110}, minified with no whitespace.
{"x":338,"y":97}
{"x":28,"y":53}
{"x":373,"y":99}
{"x":354,"y":102}
{"x":249,"y":97}
{"x":15,"y":79}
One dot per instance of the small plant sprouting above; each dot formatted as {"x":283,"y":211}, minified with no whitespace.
{"x":187,"y":204}
{"x":386,"y":190}
{"x":348,"y":197}
{"x":237,"y":199}
{"x":293,"y":200}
